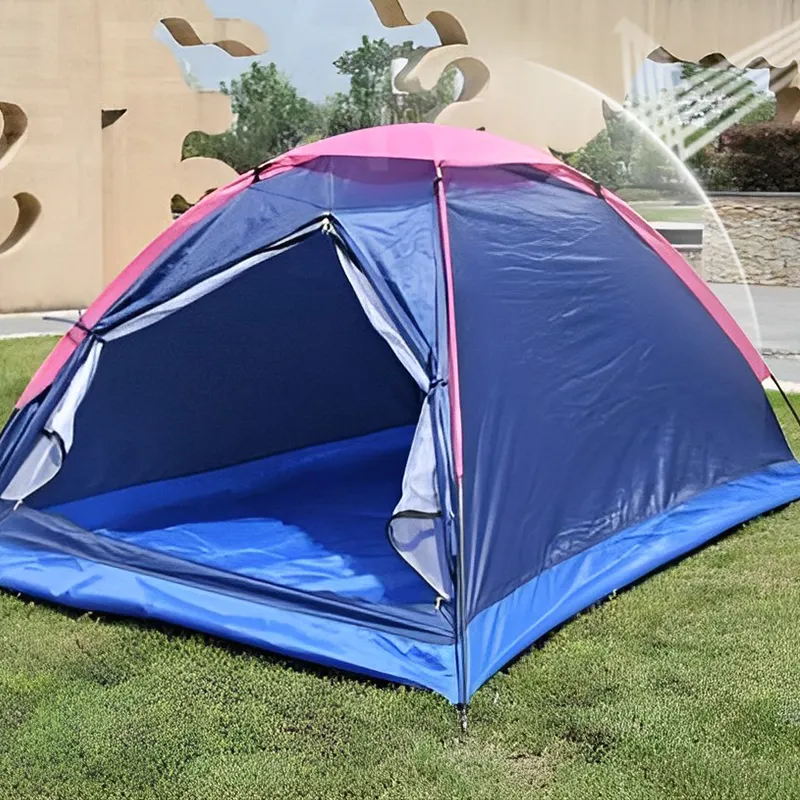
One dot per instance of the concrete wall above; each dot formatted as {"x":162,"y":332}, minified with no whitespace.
{"x":51,"y":207}
{"x":694,"y":256}
{"x":537,"y":71}
{"x":93,"y":115}
{"x":764,"y":229}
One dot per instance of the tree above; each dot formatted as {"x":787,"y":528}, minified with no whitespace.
{"x":650,"y":166}
{"x":623,"y":133}
{"x":271,"y":118}
{"x":599,"y":161}
{"x":690,"y":119}
{"x":759,"y":158}
{"x":340,"y":114}
{"x":370,"y":101}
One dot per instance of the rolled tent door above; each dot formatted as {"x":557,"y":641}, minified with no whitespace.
{"x":54,"y":442}
{"x":378,"y":317}
{"x":416,"y":530}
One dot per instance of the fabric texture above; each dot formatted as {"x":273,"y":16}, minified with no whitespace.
{"x":505,"y":629}
{"x":596,"y":391}
{"x":295,"y":630}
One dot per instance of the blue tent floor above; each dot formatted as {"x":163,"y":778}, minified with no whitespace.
{"x":313,"y":520}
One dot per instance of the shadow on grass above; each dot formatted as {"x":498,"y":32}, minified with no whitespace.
{"x":177,"y":633}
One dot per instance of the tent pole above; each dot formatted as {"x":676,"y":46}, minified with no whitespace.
{"x":463,"y":716}
{"x":786,"y":399}
{"x":456,"y":434}
{"x":461,"y":608}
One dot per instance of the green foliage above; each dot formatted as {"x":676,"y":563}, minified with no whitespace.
{"x":764,"y":112}
{"x":731,"y":98}
{"x":757,"y":158}
{"x":370,"y":101}
{"x":650,"y":165}
{"x":341,"y":115}
{"x":179,"y":205}
{"x":706,"y":104}
{"x":271,"y":118}
{"x":720,"y":95}
{"x":599,"y":161}
{"x":201,"y":145}
{"x":686,"y":686}
{"x":624,"y":156}
{"x":368,"y":68}
{"x":623,"y":135}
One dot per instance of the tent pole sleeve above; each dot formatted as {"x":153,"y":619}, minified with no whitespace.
{"x":452,"y":342}
{"x":456,"y":430}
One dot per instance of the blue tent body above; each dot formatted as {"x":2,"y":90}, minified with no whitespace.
{"x":258,"y":437}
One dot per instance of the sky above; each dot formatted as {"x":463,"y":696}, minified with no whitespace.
{"x":306,"y":36}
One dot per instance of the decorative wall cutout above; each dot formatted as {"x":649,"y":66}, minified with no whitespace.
{"x":784,"y":81}
{"x":161,"y":110}
{"x":13,"y":126}
{"x":237,"y":38}
{"x":448,"y":27}
{"x":18,"y":214}
{"x":27,"y":213}
{"x":109,"y":117}
{"x":547,"y":66}
{"x":105,"y":189}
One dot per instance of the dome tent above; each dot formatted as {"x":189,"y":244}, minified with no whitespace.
{"x":399,"y":402}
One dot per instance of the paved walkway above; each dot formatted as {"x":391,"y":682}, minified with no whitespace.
{"x":18,"y":326}
{"x":769,"y":315}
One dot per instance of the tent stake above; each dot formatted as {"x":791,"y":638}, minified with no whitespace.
{"x":463,"y":718}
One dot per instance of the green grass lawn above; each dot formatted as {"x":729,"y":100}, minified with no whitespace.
{"x":670,"y":213}
{"x":686,"y":686}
